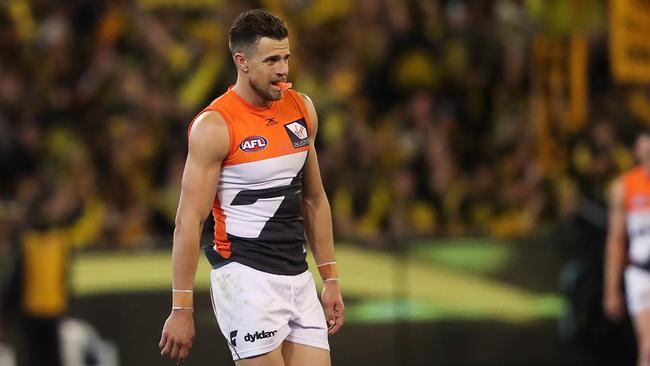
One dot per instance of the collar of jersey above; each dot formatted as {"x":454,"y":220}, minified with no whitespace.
{"x":248,"y":104}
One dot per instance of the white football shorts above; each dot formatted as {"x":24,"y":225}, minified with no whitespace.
{"x":637,"y":289}
{"x":257,"y":310}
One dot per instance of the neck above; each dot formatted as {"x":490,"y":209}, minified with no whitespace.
{"x":248,"y":94}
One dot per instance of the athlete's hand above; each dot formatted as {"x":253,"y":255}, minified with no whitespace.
{"x":614,"y":306}
{"x":333,"y":304}
{"x":177,"y":335}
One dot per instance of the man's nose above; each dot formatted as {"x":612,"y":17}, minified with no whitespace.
{"x":283,"y":68}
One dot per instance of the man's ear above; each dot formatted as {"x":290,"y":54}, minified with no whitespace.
{"x":240,"y":61}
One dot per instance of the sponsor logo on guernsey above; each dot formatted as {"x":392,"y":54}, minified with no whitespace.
{"x":233,"y":338}
{"x":253,"y":144}
{"x":297,"y":131}
{"x":271,"y":121}
{"x":262,"y":334}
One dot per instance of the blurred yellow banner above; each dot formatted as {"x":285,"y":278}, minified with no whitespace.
{"x":629,"y":43}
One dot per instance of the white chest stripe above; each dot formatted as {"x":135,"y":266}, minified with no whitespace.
{"x":248,"y":220}
{"x":638,"y":227}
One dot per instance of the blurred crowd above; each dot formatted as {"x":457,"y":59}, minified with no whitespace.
{"x":425,"y":110}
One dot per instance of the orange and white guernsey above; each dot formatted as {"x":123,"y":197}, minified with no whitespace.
{"x":258,"y":206}
{"x":636,"y":190}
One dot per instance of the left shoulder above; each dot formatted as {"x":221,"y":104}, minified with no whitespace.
{"x":303,"y":98}
{"x":310,"y":109}
{"x":307,"y":100}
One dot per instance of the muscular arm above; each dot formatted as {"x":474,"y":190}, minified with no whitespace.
{"x":208,"y":146}
{"x":615,"y":253}
{"x":318,"y":225}
{"x":318,"y":218}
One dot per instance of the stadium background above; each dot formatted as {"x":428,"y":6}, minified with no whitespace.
{"x":466,"y":148}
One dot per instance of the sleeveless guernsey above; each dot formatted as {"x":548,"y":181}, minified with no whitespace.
{"x":258,"y":206}
{"x":636,"y":188}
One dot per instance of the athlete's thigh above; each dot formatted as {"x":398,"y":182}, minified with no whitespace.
{"x":273,"y":358}
{"x":251,"y":308}
{"x":296,"y":354}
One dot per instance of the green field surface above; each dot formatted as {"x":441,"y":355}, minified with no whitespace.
{"x":434,"y":282}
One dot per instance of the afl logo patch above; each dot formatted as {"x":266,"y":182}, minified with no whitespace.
{"x":253,"y":144}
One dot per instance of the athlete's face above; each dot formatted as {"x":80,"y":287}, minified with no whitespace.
{"x":268,"y":63}
{"x":642,"y":149}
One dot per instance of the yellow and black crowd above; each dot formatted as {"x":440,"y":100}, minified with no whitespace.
{"x":425,"y":110}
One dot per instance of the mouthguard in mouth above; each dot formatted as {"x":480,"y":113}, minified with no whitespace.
{"x":282,"y":85}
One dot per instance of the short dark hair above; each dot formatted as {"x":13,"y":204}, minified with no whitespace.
{"x":252,"y":25}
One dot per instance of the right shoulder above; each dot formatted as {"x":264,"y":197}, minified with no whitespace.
{"x":209,"y":135}
{"x":617,"y":184}
{"x":632,"y":173}
{"x":616,"y":191}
